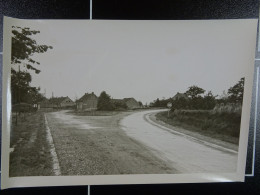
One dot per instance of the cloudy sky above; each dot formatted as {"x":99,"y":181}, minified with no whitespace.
{"x":141,"y":59}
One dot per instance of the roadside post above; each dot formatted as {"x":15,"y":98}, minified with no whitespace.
{"x":169,"y":105}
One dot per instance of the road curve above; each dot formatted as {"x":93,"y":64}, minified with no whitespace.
{"x":186,"y":154}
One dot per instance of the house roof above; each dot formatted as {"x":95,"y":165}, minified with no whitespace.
{"x":127,"y":99}
{"x":122,"y":100}
{"x":58,"y":100}
{"x":117,"y":101}
{"x":180,"y":95}
{"x":86,"y":96}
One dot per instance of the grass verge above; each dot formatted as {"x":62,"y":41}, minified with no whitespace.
{"x":224,"y":126}
{"x":31,"y":155}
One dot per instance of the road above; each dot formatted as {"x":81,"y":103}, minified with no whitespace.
{"x":185,"y":153}
{"x":96,"y":145}
{"x":130,"y":143}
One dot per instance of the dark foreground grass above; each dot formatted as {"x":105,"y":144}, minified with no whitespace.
{"x":223,"y":126}
{"x":31,"y":155}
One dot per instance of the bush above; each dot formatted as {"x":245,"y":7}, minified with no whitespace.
{"x":204,"y":120}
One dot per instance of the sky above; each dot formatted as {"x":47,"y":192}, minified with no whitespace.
{"x":141,"y":59}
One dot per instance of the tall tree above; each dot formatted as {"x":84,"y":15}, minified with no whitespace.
{"x":235,"y":93}
{"x":24,"y":46}
{"x":104,"y":102}
{"x":209,"y":101}
{"x":194,"y":92}
{"x":20,"y":85}
{"x":156,"y":103}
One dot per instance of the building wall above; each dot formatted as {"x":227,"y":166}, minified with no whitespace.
{"x":89,"y":104}
{"x":132,"y":104}
{"x":67,"y":103}
{"x":79,"y":105}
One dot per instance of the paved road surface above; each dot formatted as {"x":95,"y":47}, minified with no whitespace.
{"x":96,"y":145}
{"x":186,"y":154}
{"x":130,"y":143}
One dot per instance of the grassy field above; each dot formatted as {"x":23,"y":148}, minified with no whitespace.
{"x":30,"y":155}
{"x":224,"y":126}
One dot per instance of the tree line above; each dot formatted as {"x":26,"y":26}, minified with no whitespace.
{"x":195,"y":98}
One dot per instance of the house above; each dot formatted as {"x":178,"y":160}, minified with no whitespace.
{"x":128,"y":103}
{"x":119,"y":103}
{"x":61,"y":102}
{"x":57,"y":102}
{"x":87,"y":102}
{"x":180,"y":95}
{"x":131,"y":103}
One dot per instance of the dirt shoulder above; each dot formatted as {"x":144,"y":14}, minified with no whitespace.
{"x":30,"y":154}
{"x":215,"y":139}
{"x":100,"y":148}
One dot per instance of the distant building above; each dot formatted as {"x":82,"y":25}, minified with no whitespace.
{"x":130,"y":103}
{"x":118,"y":101}
{"x":61,"y":102}
{"x":180,"y":95}
{"x":87,"y":102}
{"x":57,"y":102}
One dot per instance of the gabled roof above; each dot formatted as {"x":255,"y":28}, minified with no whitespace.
{"x":86,"y":96}
{"x":58,"y":100}
{"x":127,"y":99}
{"x":122,"y":100}
{"x":118,"y":101}
{"x":180,"y":95}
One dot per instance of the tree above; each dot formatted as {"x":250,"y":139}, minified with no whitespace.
{"x":156,"y":103}
{"x":119,"y":105}
{"x":104,"y":102}
{"x":21,"y":89}
{"x":24,"y":46}
{"x":209,"y":101}
{"x":34,"y":96}
{"x":194,"y":92}
{"x":235,"y":93}
{"x":180,"y":103}
{"x":20,"y":85}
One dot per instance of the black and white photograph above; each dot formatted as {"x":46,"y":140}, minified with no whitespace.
{"x":119,"y":100}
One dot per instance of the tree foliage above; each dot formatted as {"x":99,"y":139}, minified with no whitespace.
{"x":180,"y":103}
{"x":119,"y":105}
{"x":104,"y":102}
{"x":209,"y":101}
{"x":194,"y":92}
{"x":21,"y":89}
{"x":235,"y":93}
{"x":195,"y":101}
{"x":160,"y":103}
{"x":24,"y":46}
